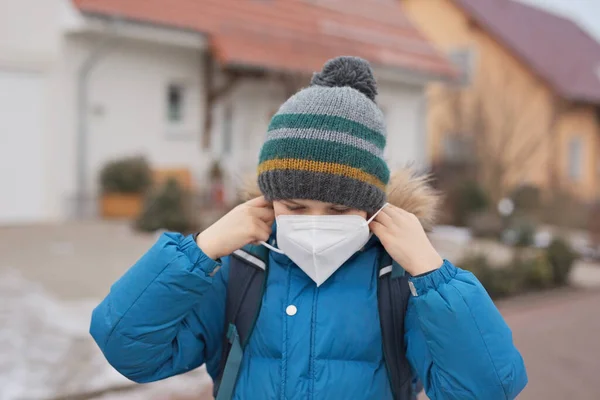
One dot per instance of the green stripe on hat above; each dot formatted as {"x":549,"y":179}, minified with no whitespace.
{"x":330,"y":136}
{"x":327,"y":122}
{"x":325,"y":151}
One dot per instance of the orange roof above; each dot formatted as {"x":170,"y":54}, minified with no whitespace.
{"x":291,"y":35}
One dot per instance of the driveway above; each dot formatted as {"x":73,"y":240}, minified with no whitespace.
{"x":558,"y":335}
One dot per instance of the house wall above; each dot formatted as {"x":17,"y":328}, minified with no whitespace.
{"x":517,"y":104}
{"x":29,"y":51}
{"x":580,"y":124}
{"x":30,"y":42}
{"x":253,"y":102}
{"x":42,"y":50}
{"x":404,"y":107}
{"x":127,"y":113}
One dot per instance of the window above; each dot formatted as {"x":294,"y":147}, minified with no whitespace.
{"x":575,"y":160}
{"x":175,"y":103}
{"x":464,"y":60}
{"x":227,"y":128}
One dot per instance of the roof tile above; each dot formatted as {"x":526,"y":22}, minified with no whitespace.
{"x":296,"y":35}
{"x":556,"y":48}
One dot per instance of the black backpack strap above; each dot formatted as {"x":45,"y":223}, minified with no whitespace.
{"x":393,"y":294}
{"x":247,"y":278}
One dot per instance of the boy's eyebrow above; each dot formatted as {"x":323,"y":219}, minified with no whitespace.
{"x":291,"y":202}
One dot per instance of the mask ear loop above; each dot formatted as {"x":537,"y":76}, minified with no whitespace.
{"x":375,"y":215}
{"x":272,"y":248}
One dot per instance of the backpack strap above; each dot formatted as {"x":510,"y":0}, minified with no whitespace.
{"x":393,"y":294}
{"x":248,"y":269}
{"x":387,"y":265}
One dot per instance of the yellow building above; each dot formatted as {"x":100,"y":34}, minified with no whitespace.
{"x":527,"y":106}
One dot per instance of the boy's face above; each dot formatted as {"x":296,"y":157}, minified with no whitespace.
{"x":313,"y":207}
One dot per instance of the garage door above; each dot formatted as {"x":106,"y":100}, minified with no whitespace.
{"x":21,"y":144}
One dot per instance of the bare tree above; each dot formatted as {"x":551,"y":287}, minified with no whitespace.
{"x":503,"y":123}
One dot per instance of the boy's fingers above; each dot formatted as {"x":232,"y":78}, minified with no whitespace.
{"x":384,"y":218}
{"x":264,"y":214}
{"x":376,"y":227}
{"x":398,"y":211}
{"x":266,"y":230}
{"x":259,"y":202}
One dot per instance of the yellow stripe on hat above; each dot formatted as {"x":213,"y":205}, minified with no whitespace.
{"x":322,"y":167}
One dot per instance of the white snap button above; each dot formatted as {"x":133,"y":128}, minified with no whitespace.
{"x":291,"y":310}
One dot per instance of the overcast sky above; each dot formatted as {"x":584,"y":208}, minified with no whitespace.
{"x":586,"y":12}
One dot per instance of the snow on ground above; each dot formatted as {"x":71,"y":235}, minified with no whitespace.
{"x":47,"y":351}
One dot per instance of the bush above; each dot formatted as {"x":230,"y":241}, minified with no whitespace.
{"x":522,"y":232}
{"x":527,"y":198}
{"x":127,"y":175}
{"x":167,"y":208}
{"x":469,"y":198}
{"x":526,"y":272}
{"x":458,"y":182}
{"x":564,"y":210}
{"x":594,"y":224}
{"x":497,"y":281}
{"x":486,"y":224}
{"x":535,"y":272}
{"x":215,"y":172}
{"x":561,"y":257}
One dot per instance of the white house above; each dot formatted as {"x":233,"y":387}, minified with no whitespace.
{"x":183,"y":83}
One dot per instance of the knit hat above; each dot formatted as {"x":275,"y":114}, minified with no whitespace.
{"x":326,"y":142}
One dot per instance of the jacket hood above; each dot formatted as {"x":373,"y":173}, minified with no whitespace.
{"x":407,"y":190}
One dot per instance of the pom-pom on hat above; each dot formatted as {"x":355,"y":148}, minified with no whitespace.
{"x":326,"y":142}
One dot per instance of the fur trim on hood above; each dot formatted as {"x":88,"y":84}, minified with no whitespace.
{"x":406,"y":190}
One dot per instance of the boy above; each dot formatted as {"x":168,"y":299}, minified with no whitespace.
{"x":321,"y":330}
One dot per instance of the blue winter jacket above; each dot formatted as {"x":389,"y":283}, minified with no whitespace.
{"x":165,"y":316}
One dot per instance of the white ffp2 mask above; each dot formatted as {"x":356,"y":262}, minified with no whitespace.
{"x":320,"y":244}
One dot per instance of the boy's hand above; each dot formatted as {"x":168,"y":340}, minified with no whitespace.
{"x":247,"y":223}
{"x":405,"y":240}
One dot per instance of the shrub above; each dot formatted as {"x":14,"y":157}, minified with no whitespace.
{"x":497,"y":281}
{"x":215,"y":172}
{"x":127,"y":175}
{"x":486,"y":224}
{"x":523,"y":230}
{"x":469,"y":198}
{"x":526,"y":271}
{"x":166,"y":208}
{"x":456,"y":181}
{"x":527,"y":198}
{"x":594,"y":224}
{"x":565,"y":210}
{"x":561,"y":257}
{"x":535,"y":272}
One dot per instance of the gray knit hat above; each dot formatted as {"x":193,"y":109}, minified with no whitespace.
{"x":326,"y":142}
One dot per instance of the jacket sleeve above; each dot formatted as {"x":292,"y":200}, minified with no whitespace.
{"x":165,"y":316}
{"x":457,"y":342}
